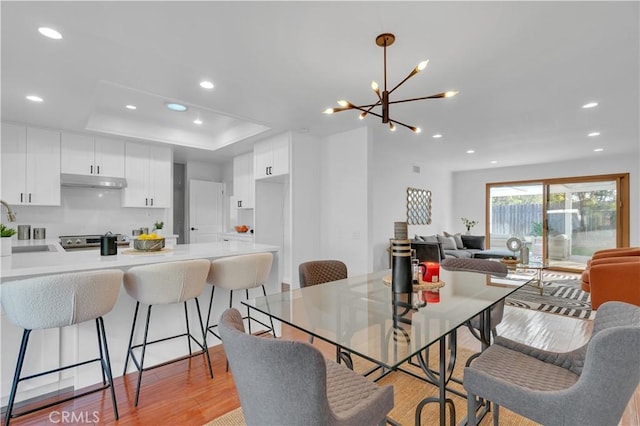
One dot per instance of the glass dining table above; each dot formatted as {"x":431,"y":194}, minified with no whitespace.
{"x":360,"y":315}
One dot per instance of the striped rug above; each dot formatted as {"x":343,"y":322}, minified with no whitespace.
{"x":562,"y":295}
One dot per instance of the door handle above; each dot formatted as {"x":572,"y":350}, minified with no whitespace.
{"x":91,"y":169}
{"x":29,"y":197}
{"x":194,"y":229}
{"x":240,"y":203}
{"x":22,"y":197}
{"x":98,"y":167}
{"x":152,"y":201}
{"x":146,"y":201}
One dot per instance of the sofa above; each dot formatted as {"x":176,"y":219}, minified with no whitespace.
{"x":435,"y":248}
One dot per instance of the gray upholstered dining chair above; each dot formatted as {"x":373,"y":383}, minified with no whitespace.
{"x":484,"y":266}
{"x":590,"y":385}
{"x":290,"y":382}
{"x":321,"y":271}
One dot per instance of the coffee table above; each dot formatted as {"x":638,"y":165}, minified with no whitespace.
{"x":537,"y":266}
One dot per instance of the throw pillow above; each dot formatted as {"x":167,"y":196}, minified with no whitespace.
{"x":448,"y":243}
{"x":473,"y":241}
{"x":427,"y":238}
{"x":457,"y":238}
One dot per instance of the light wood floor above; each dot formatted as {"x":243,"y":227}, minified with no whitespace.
{"x":183,"y":394}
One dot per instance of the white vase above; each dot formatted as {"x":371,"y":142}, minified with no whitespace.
{"x":158,"y":232}
{"x":5,"y":246}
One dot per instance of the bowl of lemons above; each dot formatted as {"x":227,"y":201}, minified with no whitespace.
{"x":148,"y":242}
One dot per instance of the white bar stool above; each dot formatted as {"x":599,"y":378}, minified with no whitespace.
{"x":241,"y":272}
{"x":57,"y":301}
{"x":163,"y":284}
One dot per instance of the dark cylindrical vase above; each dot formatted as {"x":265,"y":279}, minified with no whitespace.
{"x":401,"y":274}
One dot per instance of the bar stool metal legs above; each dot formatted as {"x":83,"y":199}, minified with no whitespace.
{"x":105,"y":362}
{"x":140,"y":364}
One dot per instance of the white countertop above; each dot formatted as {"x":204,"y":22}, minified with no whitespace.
{"x":24,"y":265}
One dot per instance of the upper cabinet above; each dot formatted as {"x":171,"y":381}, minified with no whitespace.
{"x":243,"y":184}
{"x":271,"y":157}
{"x":148,"y":173}
{"x":89,"y":155}
{"x":30,"y":166}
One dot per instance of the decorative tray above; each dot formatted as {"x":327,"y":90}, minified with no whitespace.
{"x":147,"y":252}
{"x":423,"y":285}
{"x":510,"y":261}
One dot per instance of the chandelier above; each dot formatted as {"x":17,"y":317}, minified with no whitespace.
{"x":384,"y":40}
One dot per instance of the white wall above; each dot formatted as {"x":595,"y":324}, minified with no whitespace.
{"x":345,"y":199}
{"x":305,"y":203}
{"x":469,"y":186}
{"x":392,"y":172}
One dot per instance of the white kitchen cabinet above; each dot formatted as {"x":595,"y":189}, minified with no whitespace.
{"x":30,"y":166}
{"x":271,"y":157}
{"x":89,"y":155}
{"x":243,"y":183}
{"x":148,"y":174}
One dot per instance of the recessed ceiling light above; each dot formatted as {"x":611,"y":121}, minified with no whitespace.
{"x":131,"y":107}
{"x":50,"y":32}
{"x":494,"y":162}
{"x":206,"y":84}
{"x":197,"y":121}
{"x":437,"y":136}
{"x":598,"y":150}
{"x":594,"y":134}
{"x":590,"y":105}
{"x":34,"y":98}
{"x":176,"y":107}
{"x":470,"y":151}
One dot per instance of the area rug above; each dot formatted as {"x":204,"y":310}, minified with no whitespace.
{"x":562,"y":295}
{"x":408,"y":392}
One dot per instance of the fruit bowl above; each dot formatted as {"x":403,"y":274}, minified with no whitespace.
{"x":241,"y":228}
{"x":156,"y":244}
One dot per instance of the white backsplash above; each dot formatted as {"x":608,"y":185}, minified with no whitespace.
{"x":88,"y":211}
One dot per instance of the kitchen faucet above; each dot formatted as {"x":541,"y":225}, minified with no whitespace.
{"x":10,"y":214}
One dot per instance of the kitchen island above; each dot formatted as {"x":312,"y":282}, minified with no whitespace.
{"x":53,"y":348}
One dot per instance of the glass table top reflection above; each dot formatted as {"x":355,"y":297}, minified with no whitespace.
{"x":358,"y":313}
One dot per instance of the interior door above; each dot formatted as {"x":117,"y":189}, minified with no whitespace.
{"x":205,"y":211}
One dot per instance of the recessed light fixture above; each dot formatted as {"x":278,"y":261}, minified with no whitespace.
{"x":590,"y":105}
{"x":34,"y":98}
{"x":50,"y":32}
{"x":598,"y":150}
{"x":206,"y":84}
{"x":197,"y":121}
{"x":437,"y":136}
{"x":594,"y":134}
{"x":470,"y":151}
{"x":176,"y":107}
{"x":131,"y":107}
{"x":494,"y":162}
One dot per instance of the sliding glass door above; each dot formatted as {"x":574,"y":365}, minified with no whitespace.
{"x":563,"y":221}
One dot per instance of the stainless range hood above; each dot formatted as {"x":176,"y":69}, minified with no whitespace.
{"x":92,"y":181}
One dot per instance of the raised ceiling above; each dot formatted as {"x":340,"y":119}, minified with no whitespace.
{"x":523,"y":69}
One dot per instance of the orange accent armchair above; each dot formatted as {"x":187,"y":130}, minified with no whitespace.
{"x":613,"y":275}
{"x":612,"y":256}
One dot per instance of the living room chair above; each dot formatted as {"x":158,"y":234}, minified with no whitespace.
{"x":284,"y":382}
{"x":590,"y":385}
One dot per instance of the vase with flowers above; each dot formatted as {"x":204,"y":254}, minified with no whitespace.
{"x":469,"y":224}
{"x":5,"y":240}
{"x":157,"y":227}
